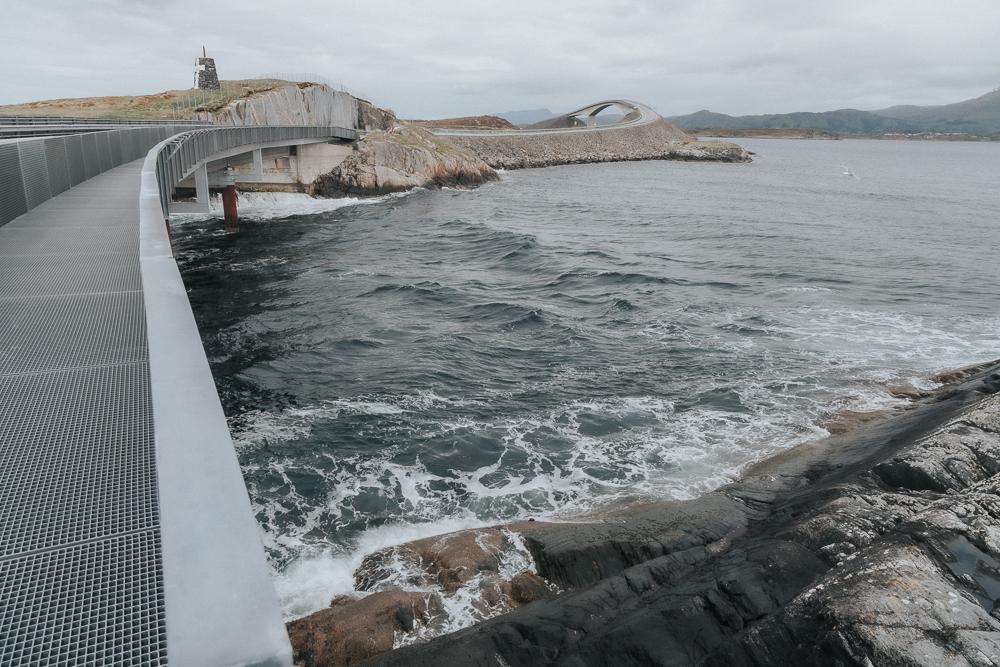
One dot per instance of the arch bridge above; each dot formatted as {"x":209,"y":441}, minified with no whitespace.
{"x":582,"y":120}
{"x":587,"y":116}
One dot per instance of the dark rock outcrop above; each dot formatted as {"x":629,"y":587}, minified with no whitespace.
{"x":876,"y":547}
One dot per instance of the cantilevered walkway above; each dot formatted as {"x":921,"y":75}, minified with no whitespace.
{"x":81,"y":571}
{"x":126,"y":533}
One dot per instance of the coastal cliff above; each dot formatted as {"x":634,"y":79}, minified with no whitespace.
{"x":302,"y":104}
{"x":876,"y":546}
{"x":658,"y":140}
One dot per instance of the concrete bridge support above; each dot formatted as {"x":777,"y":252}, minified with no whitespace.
{"x":202,"y":194}
{"x":258,"y":165}
{"x":275,"y":166}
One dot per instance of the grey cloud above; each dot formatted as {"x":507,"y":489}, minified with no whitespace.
{"x":436,"y":58}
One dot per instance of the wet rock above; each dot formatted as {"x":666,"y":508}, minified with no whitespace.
{"x":494,"y":596}
{"x":354,"y":629}
{"x":962,"y":453}
{"x":448,"y":560}
{"x":528,"y":587}
{"x":580,"y":553}
{"x":848,"y":420}
{"x":907,"y":391}
{"x":815,"y":558}
{"x":405,"y":618}
{"x":953,"y":375}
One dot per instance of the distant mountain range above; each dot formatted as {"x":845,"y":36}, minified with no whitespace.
{"x":525,"y":116}
{"x":976,"y":116}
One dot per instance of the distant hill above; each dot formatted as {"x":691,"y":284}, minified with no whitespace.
{"x":976,"y":116}
{"x":525,"y":116}
{"x":467,"y":123}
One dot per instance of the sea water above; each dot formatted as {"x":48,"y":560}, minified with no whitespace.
{"x":398,"y":367}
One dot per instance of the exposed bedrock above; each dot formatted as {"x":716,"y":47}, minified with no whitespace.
{"x":876,"y":547}
{"x":417,"y":590}
{"x":658,"y":140}
{"x":303,"y":104}
{"x":403,"y":158}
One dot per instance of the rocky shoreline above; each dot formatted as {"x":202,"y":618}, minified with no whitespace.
{"x":655,"y":141}
{"x":878,"y":546}
{"x":406,"y":155}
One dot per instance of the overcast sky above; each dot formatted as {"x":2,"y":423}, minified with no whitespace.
{"x":431,"y":58}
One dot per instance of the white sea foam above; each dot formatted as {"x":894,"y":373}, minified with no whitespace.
{"x":311,"y":581}
{"x":256,"y":427}
{"x":678,"y":455}
{"x":277,"y":205}
{"x":659,"y":449}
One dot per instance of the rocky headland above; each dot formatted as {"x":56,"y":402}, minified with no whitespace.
{"x":876,"y":546}
{"x":658,"y":140}
{"x":401,"y":158}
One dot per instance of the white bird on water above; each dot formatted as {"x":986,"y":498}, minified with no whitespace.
{"x":848,"y":172}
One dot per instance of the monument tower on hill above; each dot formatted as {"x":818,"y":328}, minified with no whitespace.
{"x":205,"y":76}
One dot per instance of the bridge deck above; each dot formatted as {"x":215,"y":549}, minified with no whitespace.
{"x":80,"y":560}
{"x":126,"y":533}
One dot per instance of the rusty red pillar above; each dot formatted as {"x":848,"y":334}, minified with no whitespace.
{"x":229,"y":208}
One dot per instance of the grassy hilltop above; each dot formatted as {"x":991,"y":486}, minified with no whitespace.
{"x":168,"y":104}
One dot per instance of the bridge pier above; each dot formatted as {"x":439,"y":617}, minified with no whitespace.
{"x":229,"y":209}
{"x":258,"y":165}
{"x":202,"y":195}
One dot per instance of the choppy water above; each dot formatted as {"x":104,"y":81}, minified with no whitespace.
{"x":574,"y":335}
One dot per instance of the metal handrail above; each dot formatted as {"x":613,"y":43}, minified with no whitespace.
{"x":74,"y":120}
{"x":179,"y":154}
{"x":35,"y":169}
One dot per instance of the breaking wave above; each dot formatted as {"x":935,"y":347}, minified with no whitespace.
{"x":259,"y":206}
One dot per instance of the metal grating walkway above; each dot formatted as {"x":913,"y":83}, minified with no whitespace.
{"x":126,"y":532}
{"x":81,"y":576}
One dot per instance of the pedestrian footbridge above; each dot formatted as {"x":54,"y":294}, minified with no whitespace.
{"x":126,"y":533}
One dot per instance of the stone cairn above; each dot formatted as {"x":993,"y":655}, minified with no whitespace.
{"x":205,"y":76}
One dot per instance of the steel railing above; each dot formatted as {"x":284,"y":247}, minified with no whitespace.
{"x":34,"y":170}
{"x":179,"y":156}
{"x":37,"y":169}
{"x":66,"y":120}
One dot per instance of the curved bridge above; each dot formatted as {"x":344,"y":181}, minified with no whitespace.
{"x":582,"y":120}
{"x":633,"y":113}
{"x":126,"y":532}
